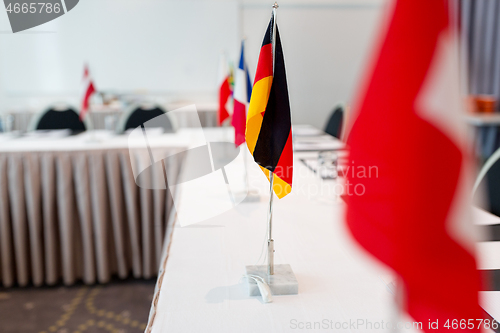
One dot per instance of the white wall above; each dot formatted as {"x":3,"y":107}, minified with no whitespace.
{"x":325,"y":46}
{"x":148,"y":46}
{"x":172,"y":48}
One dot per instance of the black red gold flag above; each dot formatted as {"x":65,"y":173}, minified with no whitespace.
{"x":269,"y":125}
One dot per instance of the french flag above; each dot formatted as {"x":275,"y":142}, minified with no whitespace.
{"x":413,"y":216}
{"x":88,"y":90}
{"x":241,"y":96}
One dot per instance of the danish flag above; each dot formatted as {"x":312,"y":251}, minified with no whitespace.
{"x":88,"y":90}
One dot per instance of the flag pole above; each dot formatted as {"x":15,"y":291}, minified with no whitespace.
{"x":270,"y":240}
{"x":275,"y":7}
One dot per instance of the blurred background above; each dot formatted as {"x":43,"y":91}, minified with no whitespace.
{"x":169,"y":51}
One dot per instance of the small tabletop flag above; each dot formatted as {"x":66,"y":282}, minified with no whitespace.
{"x":88,"y":90}
{"x":242,"y":93}
{"x":269,"y":125}
{"x":224,"y":89}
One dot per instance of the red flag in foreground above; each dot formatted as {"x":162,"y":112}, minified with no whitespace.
{"x":407,"y":127}
{"x":224,"y":90}
{"x":88,"y":90}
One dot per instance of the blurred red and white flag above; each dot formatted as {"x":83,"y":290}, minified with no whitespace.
{"x":224,"y":84}
{"x":88,"y":90}
{"x":414,"y":214}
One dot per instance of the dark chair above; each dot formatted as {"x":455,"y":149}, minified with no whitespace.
{"x":59,"y":118}
{"x":334,"y":125}
{"x":139,"y":115}
{"x":488,"y":181}
{"x":486,"y":195}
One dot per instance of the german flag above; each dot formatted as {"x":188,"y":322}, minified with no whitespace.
{"x":269,"y":125}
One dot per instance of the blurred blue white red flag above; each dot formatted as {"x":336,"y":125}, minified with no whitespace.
{"x":241,"y":95}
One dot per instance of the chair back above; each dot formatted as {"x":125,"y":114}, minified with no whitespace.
{"x":334,"y":125}
{"x":489,"y":181}
{"x":55,"y":118}
{"x":138,"y":115}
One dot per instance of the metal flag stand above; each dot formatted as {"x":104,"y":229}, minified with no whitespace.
{"x":280,"y":278}
{"x":270,"y":241}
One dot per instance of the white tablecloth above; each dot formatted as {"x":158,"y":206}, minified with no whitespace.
{"x":200,"y":288}
{"x":70,"y":208}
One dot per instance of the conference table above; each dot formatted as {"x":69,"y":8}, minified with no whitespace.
{"x":70,"y":208}
{"x":70,"y":205}
{"x":201,"y":287}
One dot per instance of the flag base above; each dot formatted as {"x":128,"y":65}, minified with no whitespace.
{"x":282,"y":282}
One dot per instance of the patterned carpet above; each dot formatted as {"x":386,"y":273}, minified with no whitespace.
{"x":118,"y":307}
